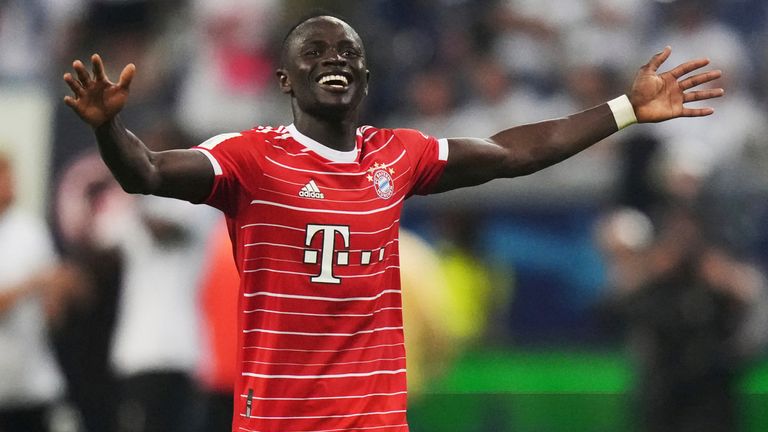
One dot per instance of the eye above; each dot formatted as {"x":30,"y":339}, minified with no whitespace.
{"x":312,"y":52}
{"x":351,"y":53}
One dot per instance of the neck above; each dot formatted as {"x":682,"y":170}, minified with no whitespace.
{"x":338,"y":134}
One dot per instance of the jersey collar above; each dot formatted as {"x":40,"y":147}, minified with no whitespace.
{"x":322,"y":150}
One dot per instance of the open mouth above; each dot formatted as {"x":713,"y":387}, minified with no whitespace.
{"x":333,"y":81}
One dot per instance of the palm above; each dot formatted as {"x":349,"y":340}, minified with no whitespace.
{"x":658,"y":97}
{"x":96,"y":99}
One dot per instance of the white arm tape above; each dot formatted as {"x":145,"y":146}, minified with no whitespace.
{"x":623,"y":112}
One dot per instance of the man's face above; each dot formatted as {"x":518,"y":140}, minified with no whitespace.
{"x":324,"y":68}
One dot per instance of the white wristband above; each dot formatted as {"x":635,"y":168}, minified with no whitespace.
{"x":623,"y":112}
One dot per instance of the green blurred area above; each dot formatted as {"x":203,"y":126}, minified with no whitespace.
{"x":550,"y":391}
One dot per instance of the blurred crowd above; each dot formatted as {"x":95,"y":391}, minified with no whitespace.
{"x":127,"y":283}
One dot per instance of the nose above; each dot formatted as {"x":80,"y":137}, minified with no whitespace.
{"x":334,"y":58}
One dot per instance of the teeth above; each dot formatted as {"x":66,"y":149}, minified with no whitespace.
{"x":338,"y":78}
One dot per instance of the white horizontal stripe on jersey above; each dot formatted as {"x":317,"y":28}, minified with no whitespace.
{"x":274,"y":244}
{"x":326,"y":200}
{"x":365,"y":396}
{"x":311,"y":210}
{"x":332,"y":188}
{"x":386,"y":164}
{"x":378,"y":149}
{"x":327,"y":376}
{"x":368,"y":274}
{"x":328,"y":416}
{"x":324,"y":364}
{"x":274,"y":259}
{"x":376,"y":330}
{"x":378,"y":248}
{"x":337,"y":430}
{"x":376,"y":232}
{"x":304,"y":229}
{"x":359,"y":173}
{"x":322,"y":315}
{"x":273,"y":226}
{"x":332,"y":299}
{"x":389,"y":164}
{"x":278,"y":271}
{"x":324,"y":187}
{"x":373,"y":135}
{"x":323,"y":351}
{"x":289,"y":153}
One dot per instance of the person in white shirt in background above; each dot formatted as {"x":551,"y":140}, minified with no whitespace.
{"x":30,"y":381}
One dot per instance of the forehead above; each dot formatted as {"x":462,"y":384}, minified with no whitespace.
{"x":324,"y":28}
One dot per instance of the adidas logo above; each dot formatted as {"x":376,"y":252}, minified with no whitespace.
{"x":310,"y":190}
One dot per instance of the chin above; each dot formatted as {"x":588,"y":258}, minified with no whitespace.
{"x":335,"y":111}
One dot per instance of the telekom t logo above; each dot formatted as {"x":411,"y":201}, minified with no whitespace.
{"x":328,"y":233}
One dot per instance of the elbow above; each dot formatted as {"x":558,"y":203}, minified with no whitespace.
{"x":138,"y":185}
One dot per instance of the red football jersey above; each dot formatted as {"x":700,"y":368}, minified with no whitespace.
{"x":315,"y":238}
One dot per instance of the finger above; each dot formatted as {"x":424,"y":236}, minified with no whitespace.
{"x":688,"y":66}
{"x":703,"y":95}
{"x":657,"y":60}
{"x":82,"y":73}
{"x":126,"y":76}
{"x":699,"y":79}
{"x":70,"y":101}
{"x":98,"y":68}
{"x":73,"y":84}
{"x":697,"y":112}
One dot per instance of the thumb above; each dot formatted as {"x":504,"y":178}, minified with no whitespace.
{"x":126,"y":76}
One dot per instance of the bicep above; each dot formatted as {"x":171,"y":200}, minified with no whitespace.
{"x":183,"y":174}
{"x":471,"y":161}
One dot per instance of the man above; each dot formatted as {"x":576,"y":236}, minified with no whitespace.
{"x":30,"y":381}
{"x":313,"y":212}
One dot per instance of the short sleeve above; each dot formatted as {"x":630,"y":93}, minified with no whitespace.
{"x":428,"y":156}
{"x":235,"y":162}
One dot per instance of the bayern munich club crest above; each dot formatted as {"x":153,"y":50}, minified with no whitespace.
{"x":381,"y":177}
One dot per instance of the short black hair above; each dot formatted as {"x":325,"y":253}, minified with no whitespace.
{"x":315,"y":13}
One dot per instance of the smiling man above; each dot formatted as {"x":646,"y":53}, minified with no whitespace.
{"x":313,"y":210}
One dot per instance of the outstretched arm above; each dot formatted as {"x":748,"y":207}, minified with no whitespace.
{"x":183,"y":174}
{"x":528,"y":148}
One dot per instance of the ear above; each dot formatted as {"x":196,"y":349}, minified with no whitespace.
{"x":283,"y":81}
{"x":367,"y":80}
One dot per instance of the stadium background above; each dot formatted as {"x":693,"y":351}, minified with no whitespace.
{"x":540,"y":361}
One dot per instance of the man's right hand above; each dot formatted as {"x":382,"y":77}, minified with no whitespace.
{"x":96,"y":99}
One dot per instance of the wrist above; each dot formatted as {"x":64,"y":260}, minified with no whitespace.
{"x":623,"y":112}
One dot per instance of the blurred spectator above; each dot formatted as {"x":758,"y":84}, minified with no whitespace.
{"x":30,"y":381}
{"x":86,"y":193}
{"x":734,"y":199}
{"x":162,"y":242}
{"x":497,"y":101}
{"x":230,"y":80}
{"x":431,"y":97}
{"x":694,"y":316}
{"x":531,"y":36}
